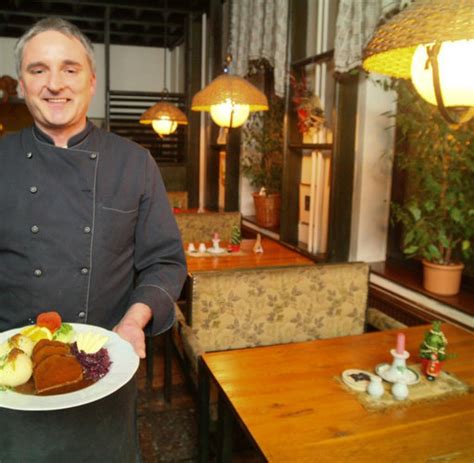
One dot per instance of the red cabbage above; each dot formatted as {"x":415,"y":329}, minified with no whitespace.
{"x":96,"y":365}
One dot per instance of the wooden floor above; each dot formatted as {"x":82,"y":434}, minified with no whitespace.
{"x":168,"y":431}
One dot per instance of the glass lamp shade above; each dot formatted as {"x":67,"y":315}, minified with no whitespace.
{"x":227,"y":92}
{"x":456,"y":73}
{"x":228,"y":114}
{"x":164,"y":126}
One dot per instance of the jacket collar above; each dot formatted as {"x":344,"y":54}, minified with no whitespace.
{"x":73,"y":141}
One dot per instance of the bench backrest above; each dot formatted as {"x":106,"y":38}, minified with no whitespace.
{"x":253,"y":307}
{"x":197,"y":227}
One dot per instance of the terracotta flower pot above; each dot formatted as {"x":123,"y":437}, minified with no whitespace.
{"x":444,"y":280}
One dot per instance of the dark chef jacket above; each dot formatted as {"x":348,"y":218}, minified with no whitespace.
{"x":85,"y":230}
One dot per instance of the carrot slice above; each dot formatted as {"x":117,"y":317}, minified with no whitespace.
{"x":50,"y":320}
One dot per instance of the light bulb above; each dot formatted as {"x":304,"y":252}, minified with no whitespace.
{"x":456,"y":73}
{"x":222,"y":113}
{"x":164,"y":126}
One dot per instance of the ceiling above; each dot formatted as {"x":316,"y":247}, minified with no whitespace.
{"x":149,"y":23}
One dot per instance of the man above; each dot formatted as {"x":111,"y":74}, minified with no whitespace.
{"x":86,"y":228}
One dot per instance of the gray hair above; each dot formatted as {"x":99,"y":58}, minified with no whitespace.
{"x":58,"y":25}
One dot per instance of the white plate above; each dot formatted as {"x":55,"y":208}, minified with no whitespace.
{"x":216,"y":250}
{"x":409,"y":376}
{"x":353,"y":378}
{"x":124,"y":365}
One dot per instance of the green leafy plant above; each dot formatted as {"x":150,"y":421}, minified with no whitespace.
{"x":262,"y":161}
{"x":438,"y":211}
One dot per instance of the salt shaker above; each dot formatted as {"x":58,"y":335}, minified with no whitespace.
{"x":400,"y":391}
{"x":375,"y":387}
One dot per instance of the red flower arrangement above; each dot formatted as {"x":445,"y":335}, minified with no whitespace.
{"x":308,"y":106}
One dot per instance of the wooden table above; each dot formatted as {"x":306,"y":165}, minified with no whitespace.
{"x":275,"y":255}
{"x":289,"y":402}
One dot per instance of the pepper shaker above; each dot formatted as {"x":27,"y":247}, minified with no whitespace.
{"x":375,"y":387}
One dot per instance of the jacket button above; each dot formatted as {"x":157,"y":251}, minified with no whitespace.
{"x":81,"y":314}
{"x":93,"y":156}
{"x":37,"y":272}
{"x":84,"y":270}
{"x":87,"y":229}
{"x":34,"y":229}
{"x":29,"y":155}
{"x":33,"y":189}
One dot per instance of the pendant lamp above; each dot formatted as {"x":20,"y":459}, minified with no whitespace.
{"x":229,"y":99}
{"x":431,"y":42}
{"x":163,"y":116}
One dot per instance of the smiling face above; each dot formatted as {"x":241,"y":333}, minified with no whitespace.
{"x":58,"y":84}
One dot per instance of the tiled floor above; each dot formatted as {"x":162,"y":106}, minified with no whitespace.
{"x":168,"y":431}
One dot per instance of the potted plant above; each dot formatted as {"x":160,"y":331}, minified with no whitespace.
{"x":262,"y":161}
{"x":437,"y":213}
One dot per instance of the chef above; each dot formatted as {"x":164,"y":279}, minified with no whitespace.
{"x":86,"y":230}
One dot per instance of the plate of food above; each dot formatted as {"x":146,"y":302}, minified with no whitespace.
{"x":62,"y":367}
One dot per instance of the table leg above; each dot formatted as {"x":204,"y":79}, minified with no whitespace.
{"x":224,"y":431}
{"x":203,"y":412}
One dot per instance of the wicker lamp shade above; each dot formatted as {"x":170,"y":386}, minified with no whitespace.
{"x":233,"y":88}
{"x":163,"y":110}
{"x":391,"y":50}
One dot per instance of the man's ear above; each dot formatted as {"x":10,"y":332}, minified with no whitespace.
{"x":21,"y":88}
{"x":93,"y":84}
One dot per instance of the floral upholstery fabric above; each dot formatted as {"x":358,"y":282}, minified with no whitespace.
{"x":196,"y":227}
{"x":254,"y":307}
{"x":381,"y":321}
{"x":178,"y":199}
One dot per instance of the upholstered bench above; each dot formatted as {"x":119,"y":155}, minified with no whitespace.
{"x":256,"y":307}
{"x":196,"y":227}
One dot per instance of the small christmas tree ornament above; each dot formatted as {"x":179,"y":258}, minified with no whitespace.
{"x":235,"y":239}
{"x":433,"y":351}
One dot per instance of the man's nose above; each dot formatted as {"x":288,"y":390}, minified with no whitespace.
{"x":55,"y":81}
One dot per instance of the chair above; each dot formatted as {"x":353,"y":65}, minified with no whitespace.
{"x":197,"y":227}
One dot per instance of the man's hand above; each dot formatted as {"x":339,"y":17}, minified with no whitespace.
{"x":131,"y":327}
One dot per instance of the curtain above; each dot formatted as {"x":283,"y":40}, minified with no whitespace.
{"x":259,"y":30}
{"x":356,"y":22}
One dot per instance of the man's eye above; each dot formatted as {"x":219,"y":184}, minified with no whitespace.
{"x":37,"y":71}
{"x":71,"y":71}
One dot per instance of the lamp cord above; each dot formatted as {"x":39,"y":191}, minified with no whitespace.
{"x":464,"y":116}
{"x":228,"y":58}
{"x":165,"y":90}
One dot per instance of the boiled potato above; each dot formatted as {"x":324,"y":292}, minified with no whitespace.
{"x":16,"y":369}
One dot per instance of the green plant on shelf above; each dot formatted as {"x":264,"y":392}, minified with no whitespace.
{"x":437,"y":213}
{"x":262,"y":162}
